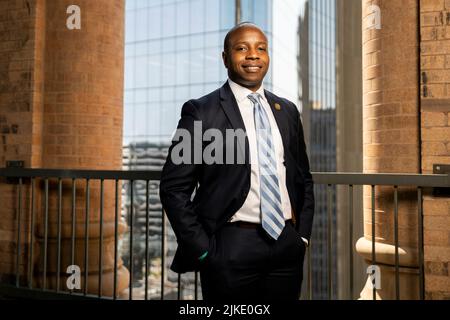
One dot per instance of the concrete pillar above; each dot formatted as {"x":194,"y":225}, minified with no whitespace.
{"x":391,"y":139}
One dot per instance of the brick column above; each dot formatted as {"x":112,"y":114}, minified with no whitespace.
{"x":65,"y":100}
{"x":435,"y":111}
{"x":391,"y":140}
{"x":21,"y":44}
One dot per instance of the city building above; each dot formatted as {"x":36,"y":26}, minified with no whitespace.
{"x":329,"y":65}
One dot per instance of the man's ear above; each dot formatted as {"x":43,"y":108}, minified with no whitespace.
{"x":225,"y":59}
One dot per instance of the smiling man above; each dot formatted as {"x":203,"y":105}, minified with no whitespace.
{"x":248,"y":225}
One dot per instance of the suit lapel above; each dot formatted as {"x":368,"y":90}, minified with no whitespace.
{"x":231,"y":109}
{"x":280,"y":116}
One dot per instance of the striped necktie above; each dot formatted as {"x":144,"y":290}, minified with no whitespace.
{"x":271,"y":213}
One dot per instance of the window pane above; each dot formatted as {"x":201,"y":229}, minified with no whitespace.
{"x":196,"y":66}
{"x":140,"y":121}
{"x":168,"y":69}
{"x":141,"y":72}
{"x":196,"y":41}
{"x":154,"y":23}
{"x":168,"y":45}
{"x":141,"y":23}
{"x":169,"y":21}
{"x":182,"y":21}
{"x":154,"y":70}
{"x":182,"y":70}
{"x":197,"y":16}
{"x":130,"y":31}
{"x":182,"y":93}
{"x":212,"y":15}
{"x":212,"y":64}
{"x":227,"y":9}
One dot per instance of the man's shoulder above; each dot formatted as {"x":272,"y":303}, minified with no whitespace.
{"x":283,"y":101}
{"x":207,"y":99}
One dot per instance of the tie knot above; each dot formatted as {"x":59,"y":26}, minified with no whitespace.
{"x":254,"y":97}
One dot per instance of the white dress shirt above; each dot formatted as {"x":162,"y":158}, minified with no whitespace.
{"x":250,"y":210}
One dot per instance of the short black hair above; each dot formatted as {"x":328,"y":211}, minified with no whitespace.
{"x":238,"y":26}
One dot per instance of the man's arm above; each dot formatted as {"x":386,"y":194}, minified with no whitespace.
{"x":176,"y":187}
{"x":307,"y":211}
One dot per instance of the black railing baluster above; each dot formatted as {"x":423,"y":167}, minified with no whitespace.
{"x":420,"y":243}
{"x":310,"y":288}
{"x":147,"y":214}
{"x":44,"y":285}
{"x":116,"y":235}
{"x":58,"y":258}
{"x":31,"y":257}
{"x":100,"y":249}
{"x":196,"y":286}
{"x":19,"y":227}
{"x":196,"y":272}
{"x":350,"y":241}
{"x":163,"y":252}
{"x":130,"y":296}
{"x":86,"y":239}
{"x":329,"y":248}
{"x":397,"y":273}
{"x":374,"y":293}
{"x":74,"y":194}
{"x":179,"y":287}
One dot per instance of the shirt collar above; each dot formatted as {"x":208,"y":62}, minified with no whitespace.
{"x":241,"y":93}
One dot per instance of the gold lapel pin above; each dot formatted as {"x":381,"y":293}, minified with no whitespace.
{"x":277,"y":106}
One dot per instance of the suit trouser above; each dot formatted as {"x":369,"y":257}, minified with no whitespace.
{"x":245,"y":264}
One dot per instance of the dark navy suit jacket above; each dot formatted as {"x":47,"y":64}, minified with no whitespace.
{"x":221,"y":189}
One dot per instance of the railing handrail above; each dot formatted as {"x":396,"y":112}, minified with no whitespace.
{"x":333,"y":178}
{"x":80,"y":174}
{"x":382,"y":179}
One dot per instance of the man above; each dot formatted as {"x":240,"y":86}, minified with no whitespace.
{"x":247,"y":227}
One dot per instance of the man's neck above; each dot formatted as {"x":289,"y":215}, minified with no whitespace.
{"x":253,"y":89}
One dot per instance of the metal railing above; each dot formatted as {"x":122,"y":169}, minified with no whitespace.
{"x":23,"y":283}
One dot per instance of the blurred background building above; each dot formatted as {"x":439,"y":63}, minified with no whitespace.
{"x":329,"y":64}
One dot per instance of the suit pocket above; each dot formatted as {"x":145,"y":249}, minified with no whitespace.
{"x":211,"y":252}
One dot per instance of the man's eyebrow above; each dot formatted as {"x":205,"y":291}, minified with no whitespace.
{"x":246,"y":43}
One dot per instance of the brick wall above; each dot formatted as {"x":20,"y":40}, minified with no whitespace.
{"x":21,"y":42}
{"x":61,"y":106}
{"x":435,"y":123}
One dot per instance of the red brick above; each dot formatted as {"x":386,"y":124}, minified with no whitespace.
{"x":436,"y":237}
{"x":436,"y":134}
{"x":434,"y":119}
{"x":431,"y":18}
{"x":437,"y":283}
{"x":436,"y":222}
{"x":431,"y":5}
{"x":435,"y":148}
{"x":433,"y":62}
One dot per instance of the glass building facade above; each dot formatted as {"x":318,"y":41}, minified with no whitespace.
{"x":317,"y":91}
{"x":173,"y":54}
